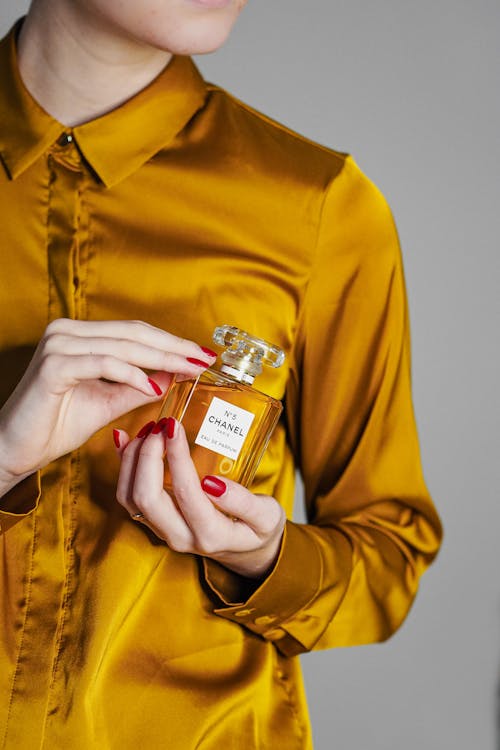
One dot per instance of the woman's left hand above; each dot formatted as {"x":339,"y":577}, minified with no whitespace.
{"x":216,"y":518}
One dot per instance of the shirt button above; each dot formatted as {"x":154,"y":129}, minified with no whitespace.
{"x":265,"y":620}
{"x":65,"y":139}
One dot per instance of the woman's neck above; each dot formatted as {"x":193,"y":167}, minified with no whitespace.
{"x":77,"y":70}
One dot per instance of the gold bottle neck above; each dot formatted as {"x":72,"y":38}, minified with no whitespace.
{"x":241,"y":375}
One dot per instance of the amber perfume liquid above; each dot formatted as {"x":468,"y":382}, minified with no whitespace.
{"x":227,"y":422}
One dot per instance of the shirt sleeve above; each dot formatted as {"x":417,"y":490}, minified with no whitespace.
{"x":20,"y":501}
{"x":349,"y":576}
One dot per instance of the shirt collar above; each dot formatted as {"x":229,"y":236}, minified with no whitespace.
{"x":114,"y":145}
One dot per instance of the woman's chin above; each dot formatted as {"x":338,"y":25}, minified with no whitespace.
{"x":201,"y":38}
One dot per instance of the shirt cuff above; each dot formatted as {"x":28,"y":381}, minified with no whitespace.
{"x":20,"y":501}
{"x":290,"y":586}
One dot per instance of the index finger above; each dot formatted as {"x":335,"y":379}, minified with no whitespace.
{"x":132,"y":330}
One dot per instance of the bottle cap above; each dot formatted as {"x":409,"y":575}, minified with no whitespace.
{"x":245,"y":354}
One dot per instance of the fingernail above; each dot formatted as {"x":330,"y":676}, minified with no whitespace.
{"x":144,"y":431}
{"x":213,"y":486}
{"x":156,"y":388}
{"x":208,"y":351}
{"x":197,"y":362}
{"x":170,"y":427}
{"x":159,"y":426}
{"x":116,"y":437}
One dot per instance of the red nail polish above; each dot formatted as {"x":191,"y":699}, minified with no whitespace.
{"x":116,"y":437}
{"x":159,"y":426}
{"x":213,"y":486}
{"x":208,"y":351}
{"x":170,"y":427}
{"x":156,"y":388}
{"x":144,"y":431}
{"x":197,"y":362}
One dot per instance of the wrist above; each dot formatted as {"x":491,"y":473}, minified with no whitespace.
{"x":8,"y":479}
{"x":8,"y":482}
{"x":255,"y":565}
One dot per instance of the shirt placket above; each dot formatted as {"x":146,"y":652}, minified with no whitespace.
{"x":48,"y":625}
{"x":65,"y":229}
{"x":66,"y":263}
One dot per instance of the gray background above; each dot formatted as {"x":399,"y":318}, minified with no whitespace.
{"x":411,"y":90}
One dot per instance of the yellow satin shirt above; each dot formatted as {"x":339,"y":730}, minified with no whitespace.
{"x":187,"y":209}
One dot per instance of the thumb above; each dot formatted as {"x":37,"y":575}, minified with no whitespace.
{"x":234,"y":500}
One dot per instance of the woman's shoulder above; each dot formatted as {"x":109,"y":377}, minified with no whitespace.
{"x":264,"y":139}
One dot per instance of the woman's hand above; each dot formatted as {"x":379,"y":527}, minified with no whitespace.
{"x":83,"y":375}
{"x":218,"y":518}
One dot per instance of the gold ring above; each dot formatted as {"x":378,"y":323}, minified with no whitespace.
{"x":136,"y":516}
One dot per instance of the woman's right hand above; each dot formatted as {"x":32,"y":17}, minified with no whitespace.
{"x":83,"y":375}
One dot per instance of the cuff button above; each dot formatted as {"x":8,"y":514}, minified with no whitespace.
{"x":265,"y":620}
{"x":243,"y":612}
{"x":275,"y":635}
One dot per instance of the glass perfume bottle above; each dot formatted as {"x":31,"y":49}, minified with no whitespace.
{"x":227,"y":421}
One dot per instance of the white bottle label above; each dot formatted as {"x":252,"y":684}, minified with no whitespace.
{"x":224,"y":428}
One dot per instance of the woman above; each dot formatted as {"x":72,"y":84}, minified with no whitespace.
{"x":141,"y":208}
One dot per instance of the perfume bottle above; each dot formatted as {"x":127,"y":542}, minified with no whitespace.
{"x":227,"y":421}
